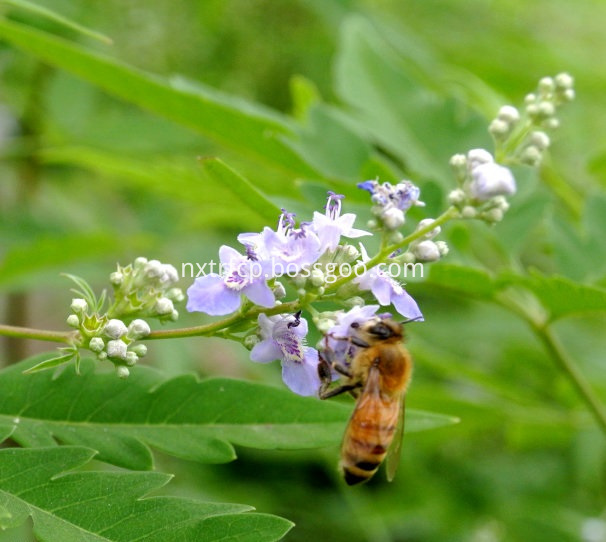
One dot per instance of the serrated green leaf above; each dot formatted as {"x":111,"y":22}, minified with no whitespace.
{"x":56,"y":18}
{"x":250,"y":129}
{"x":108,"y":506}
{"x":241,"y":188}
{"x":184,"y":417}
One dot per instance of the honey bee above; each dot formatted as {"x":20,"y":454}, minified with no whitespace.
{"x":379,"y":373}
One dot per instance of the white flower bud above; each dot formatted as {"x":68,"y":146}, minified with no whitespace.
{"x":73,"y":321}
{"x":564,"y":81}
{"x":546,"y":109}
{"x":426,"y":251}
{"x":102,"y":356}
{"x":278,"y":290}
{"x":371,"y":224}
{"x":456,"y":197}
{"x":96,"y":344}
{"x":351,"y":252}
{"x":316,"y":277}
{"x":489,"y":180}
{"x":79,"y":305}
{"x":153,"y":269}
{"x":169,"y":274}
{"x":139,"y":349}
{"x":116,"y":349}
{"x":321,"y":290}
{"x":469,"y":212}
{"x":116,"y":278}
{"x":131,"y":358}
{"x":115,"y":329}
{"x":499,"y":127}
{"x":122,"y":372}
{"x":546,"y":85}
{"x":458,"y":160}
{"x":164,"y":306}
{"x":324,"y":325}
{"x":493,"y":215}
{"x":250,"y":341}
{"x":477,"y":157}
{"x":568,"y":94}
{"x":552,"y":123}
{"x":530,"y":98}
{"x":509,"y":114}
{"x":540,"y":140}
{"x":428,"y":222}
{"x":501,"y":203}
{"x":393,"y":218}
{"x":138,"y":328}
{"x":407,"y":257}
{"x":532,"y":110}
{"x":175,"y":294}
{"x":174,"y":316}
{"x":531,"y":155}
{"x":355,"y":301}
{"x":395,"y":237}
{"x":140,"y":262}
{"x":442,"y":247}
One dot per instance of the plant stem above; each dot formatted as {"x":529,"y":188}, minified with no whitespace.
{"x":36,"y":334}
{"x":570,"y":368}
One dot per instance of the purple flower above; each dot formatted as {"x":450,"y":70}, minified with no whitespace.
{"x":288,"y":249}
{"x":401,"y":196}
{"x":387,"y":290}
{"x":222,"y":294}
{"x":283,"y":338}
{"x":330,"y":226}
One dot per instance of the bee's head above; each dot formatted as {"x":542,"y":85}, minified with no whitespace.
{"x":378,"y":330}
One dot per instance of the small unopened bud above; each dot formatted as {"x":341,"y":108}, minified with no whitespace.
{"x":131,"y":358}
{"x":278,"y":290}
{"x":499,"y":128}
{"x":442,"y":247}
{"x":456,"y":197}
{"x":393,"y":218}
{"x":324,"y":325}
{"x":116,"y":278}
{"x":493,"y":215}
{"x":458,"y":161}
{"x":138,"y":328}
{"x":116,"y":349}
{"x":509,"y":114}
{"x":96,"y":344}
{"x":122,"y":372}
{"x":164,"y":306}
{"x":530,"y":98}
{"x":477,"y":157}
{"x":350,"y":252}
{"x":79,"y":305}
{"x":371,"y":224}
{"x":115,"y":328}
{"x":546,"y":109}
{"x":102,"y":356}
{"x":139,"y":349}
{"x":540,"y":139}
{"x":407,"y":257}
{"x":175,"y":294}
{"x":169,"y":274}
{"x":489,"y":180}
{"x":552,"y":123}
{"x":73,"y":321}
{"x":469,"y":212}
{"x":174,"y":316}
{"x":546,"y":85}
{"x":426,"y":251}
{"x":140,"y":262}
{"x":355,"y":301}
{"x":428,"y":222}
{"x":564,"y":81}
{"x":531,"y":155}
{"x":316,"y":277}
{"x":568,"y":94}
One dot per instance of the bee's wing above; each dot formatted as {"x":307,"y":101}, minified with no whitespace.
{"x":392,"y":460}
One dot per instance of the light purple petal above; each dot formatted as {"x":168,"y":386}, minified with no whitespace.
{"x":230,"y":256}
{"x":382,"y":290}
{"x":407,"y":306}
{"x":302,"y":378}
{"x":210,"y":295}
{"x":265,"y":351}
{"x":260,"y":294}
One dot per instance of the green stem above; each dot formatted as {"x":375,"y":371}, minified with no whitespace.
{"x":571,"y":370}
{"x":36,"y":334}
{"x":383,"y":254}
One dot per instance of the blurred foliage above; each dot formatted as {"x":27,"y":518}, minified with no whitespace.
{"x":101,"y":147}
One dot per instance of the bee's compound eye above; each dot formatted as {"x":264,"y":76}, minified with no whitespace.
{"x":355,"y":325}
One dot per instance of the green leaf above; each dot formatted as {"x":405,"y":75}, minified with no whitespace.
{"x":463,"y":280}
{"x":248,"y":195}
{"x":184,"y":417}
{"x":50,"y":363}
{"x":107,"y":506}
{"x":563,"y":297}
{"x":6,"y":430}
{"x":250,"y":129}
{"x":56,"y":18}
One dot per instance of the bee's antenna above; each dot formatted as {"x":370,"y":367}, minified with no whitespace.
{"x":415,"y":319}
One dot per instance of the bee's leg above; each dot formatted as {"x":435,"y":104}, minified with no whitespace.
{"x":341,"y":369}
{"x":326,"y":393}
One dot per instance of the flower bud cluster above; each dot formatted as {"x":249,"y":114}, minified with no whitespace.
{"x":524,"y":137}
{"x":483,"y":186}
{"x":390,"y":202}
{"x":108,"y":339}
{"x":146,"y":288}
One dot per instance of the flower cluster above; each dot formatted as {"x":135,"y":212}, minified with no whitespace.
{"x":144,"y":289}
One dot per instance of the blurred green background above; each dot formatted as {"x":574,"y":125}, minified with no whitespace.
{"x":88,"y":180}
